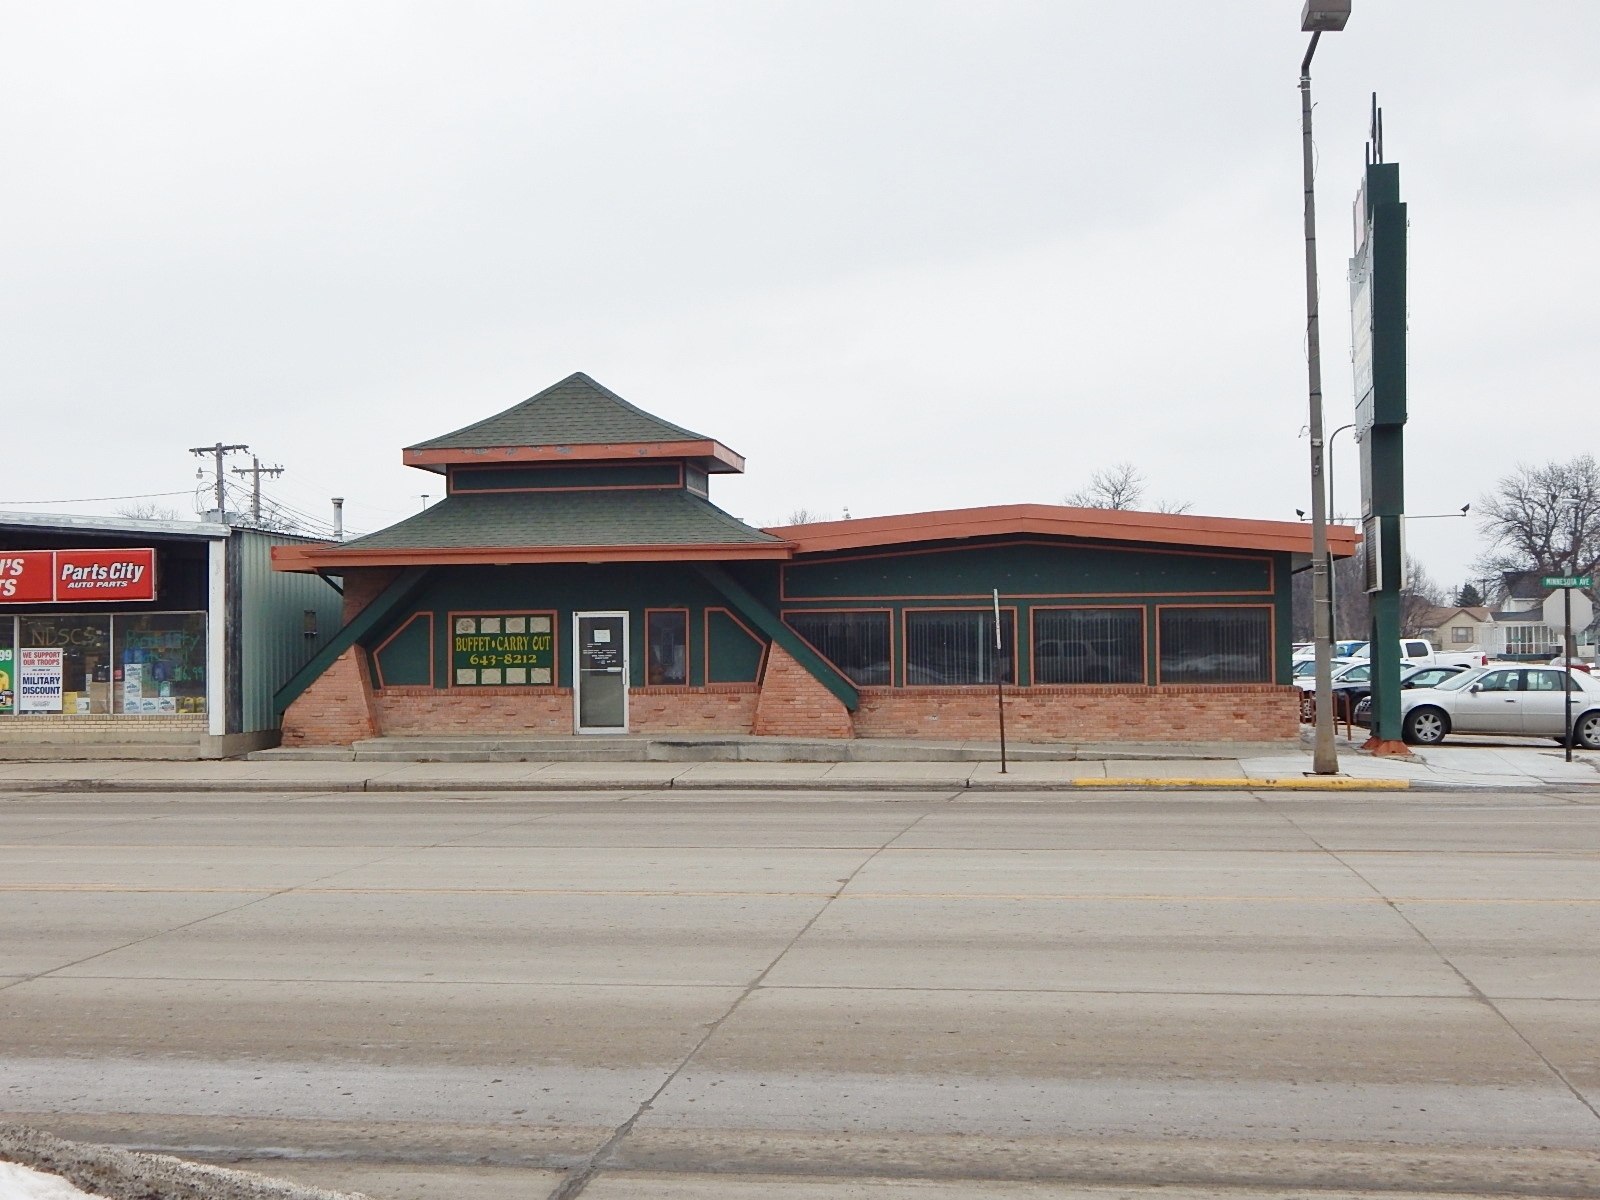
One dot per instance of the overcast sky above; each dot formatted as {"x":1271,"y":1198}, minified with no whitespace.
{"x":901,"y":255}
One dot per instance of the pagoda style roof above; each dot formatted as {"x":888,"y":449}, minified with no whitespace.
{"x":576,"y":418}
{"x":573,"y":526}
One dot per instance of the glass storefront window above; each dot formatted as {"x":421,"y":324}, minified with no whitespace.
{"x":160,"y":663}
{"x":73,"y":675}
{"x":8,"y":666}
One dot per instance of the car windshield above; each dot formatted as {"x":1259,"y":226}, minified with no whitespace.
{"x":1306,"y":666}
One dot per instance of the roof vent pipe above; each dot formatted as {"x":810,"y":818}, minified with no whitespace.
{"x":338,"y":518}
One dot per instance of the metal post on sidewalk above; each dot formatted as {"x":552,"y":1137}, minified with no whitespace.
{"x":1566,"y":668}
{"x":999,"y":680}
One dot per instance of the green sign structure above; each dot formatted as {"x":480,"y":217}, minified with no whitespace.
{"x":1378,"y":321}
{"x":489,"y":650}
{"x":1566,"y":581}
{"x":8,"y":679}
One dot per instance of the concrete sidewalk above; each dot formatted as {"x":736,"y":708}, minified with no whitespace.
{"x":1448,"y":767}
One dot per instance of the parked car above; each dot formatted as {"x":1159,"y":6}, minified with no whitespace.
{"x":1417,"y":652}
{"x":1305,"y":673}
{"x":1345,"y":648}
{"x":1505,"y":698}
{"x":1357,"y":686}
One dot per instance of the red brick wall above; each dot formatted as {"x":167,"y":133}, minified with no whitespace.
{"x":463,"y":712}
{"x":336,"y":709}
{"x":1085,"y":713}
{"x":411,"y":711}
{"x":715,"y":708}
{"x":362,"y":585}
{"x":793,"y":704}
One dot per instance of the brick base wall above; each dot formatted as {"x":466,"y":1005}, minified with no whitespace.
{"x":460,"y":712}
{"x":793,"y":704}
{"x":342,"y":707}
{"x":412,"y":711}
{"x":336,"y":709}
{"x":1085,"y":713}
{"x":715,"y":708}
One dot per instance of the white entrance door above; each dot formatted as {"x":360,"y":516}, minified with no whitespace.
{"x":600,"y":676}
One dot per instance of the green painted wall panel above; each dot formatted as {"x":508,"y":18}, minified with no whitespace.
{"x":1029,"y":569}
{"x":732,"y":654}
{"x":653,"y":474}
{"x":406,"y":658}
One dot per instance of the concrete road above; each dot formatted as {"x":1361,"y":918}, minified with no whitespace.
{"x":871,"y":995}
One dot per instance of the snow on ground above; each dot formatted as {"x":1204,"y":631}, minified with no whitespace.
{"x":24,"y":1183}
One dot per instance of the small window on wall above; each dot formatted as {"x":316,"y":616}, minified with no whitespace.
{"x":1088,"y":645}
{"x":496,"y":649}
{"x":1216,"y":645}
{"x":950,"y":646}
{"x":666,"y":634}
{"x":855,"y":642}
{"x":1460,"y":635}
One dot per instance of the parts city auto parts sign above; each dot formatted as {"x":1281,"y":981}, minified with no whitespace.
{"x":65,"y":576}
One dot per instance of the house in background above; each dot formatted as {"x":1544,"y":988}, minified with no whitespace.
{"x":1529,"y":624}
{"x":1466,"y":630}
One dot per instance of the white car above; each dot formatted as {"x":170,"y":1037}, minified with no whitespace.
{"x":1305,"y":671}
{"x":1505,"y":698}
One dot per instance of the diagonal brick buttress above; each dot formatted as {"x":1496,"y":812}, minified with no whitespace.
{"x":337,"y":709}
{"x":793,"y":704}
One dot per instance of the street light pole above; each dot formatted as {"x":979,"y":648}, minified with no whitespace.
{"x":1317,"y":16}
{"x":1333,"y":576}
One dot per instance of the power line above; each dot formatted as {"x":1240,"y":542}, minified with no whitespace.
{"x":97,"y":499}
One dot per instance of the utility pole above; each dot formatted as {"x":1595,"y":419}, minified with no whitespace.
{"x":256,"y":471}
{"x":1330,"y":16}
{"x":220,"y":452}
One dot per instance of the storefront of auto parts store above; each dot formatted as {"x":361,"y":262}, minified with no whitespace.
{"x":158,"y":638}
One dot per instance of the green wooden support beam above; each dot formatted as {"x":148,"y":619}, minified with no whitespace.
{"x":764,"y":619}
{"x":401,"y":591}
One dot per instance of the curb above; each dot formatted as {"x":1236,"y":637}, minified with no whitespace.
{"x":396,"y":787}
{"x":129,"y":1175}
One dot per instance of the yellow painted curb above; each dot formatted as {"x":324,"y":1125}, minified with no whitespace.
{"x":1312,"y":785}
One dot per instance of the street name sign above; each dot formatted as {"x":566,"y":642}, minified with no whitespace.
{"x":1567,"y":581}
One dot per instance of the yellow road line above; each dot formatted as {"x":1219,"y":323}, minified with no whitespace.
{"x":1257,"y":785}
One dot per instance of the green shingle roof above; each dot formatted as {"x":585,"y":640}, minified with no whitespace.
{"x":665,"y":517}
{"x":575,"y":412}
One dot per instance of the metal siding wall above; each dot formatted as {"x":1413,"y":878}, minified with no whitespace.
{"x":273,"y":645}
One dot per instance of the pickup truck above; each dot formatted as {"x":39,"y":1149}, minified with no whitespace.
{"x":1415,"y":652}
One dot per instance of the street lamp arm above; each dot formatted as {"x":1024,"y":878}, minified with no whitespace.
{"x":1305,"y":63}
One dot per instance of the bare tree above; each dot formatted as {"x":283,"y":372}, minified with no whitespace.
{"x":808,"y":516}
{"x":1544,"y":519}
{"x":1120,"y":486}
{"x":1418,"y":599}
{"x":148,"y":510}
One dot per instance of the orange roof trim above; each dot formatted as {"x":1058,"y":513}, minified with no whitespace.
{"x":334,"y":558}
{"x":716,"y":457}
{"x":1059,"y":521}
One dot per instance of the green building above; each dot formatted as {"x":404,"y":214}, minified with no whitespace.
{"x":577,"y":578}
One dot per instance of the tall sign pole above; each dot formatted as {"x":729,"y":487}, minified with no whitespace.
{"x":1378,"y":325}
